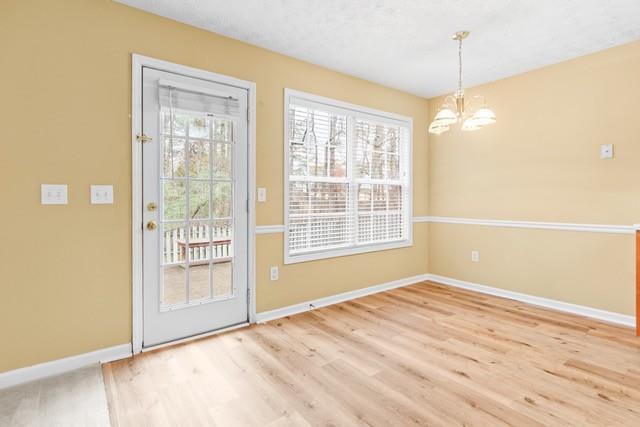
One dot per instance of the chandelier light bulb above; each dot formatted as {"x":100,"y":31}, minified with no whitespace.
{"x":445,"y":117}
{"x":484,"y":116}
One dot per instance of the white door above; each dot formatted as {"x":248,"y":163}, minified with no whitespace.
{"x":194,"y":206}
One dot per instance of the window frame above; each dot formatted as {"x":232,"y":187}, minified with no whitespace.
{"x":361,"y":112}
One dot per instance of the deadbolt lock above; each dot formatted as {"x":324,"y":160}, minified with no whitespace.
{"x":151,"y":207}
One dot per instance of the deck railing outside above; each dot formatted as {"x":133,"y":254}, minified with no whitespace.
{"x":200,"y":248}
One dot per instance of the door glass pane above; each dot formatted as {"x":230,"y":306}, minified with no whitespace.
{"x":199,"y":193}
{"x":199,"y":158}
{"x":174,"y":157}
{"x":222,"y":160}
{"x":222,"y":279}
{"x":199,"y":282}
{"x":222,"y":232}
{"x":174,"y":270}
{"x":175,"y":127}
{"x":199,"y":127}
{"x":175,"y":201}
{"x":199,"y":244}
{"x":173,"y":243}
{"x":222,"y":199}
{"x":174,"y":285}
{"x":197,"y":186}
{"x":222,"y":130}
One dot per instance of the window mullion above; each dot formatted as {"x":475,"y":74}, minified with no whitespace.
{"x":351,"y":177}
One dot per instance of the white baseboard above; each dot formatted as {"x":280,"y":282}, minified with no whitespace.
{"x":334,"y":299}
{"x":595,"y":313}
{"x":60,"y":366}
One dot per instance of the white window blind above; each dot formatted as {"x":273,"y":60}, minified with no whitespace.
{"x":348,"y":179}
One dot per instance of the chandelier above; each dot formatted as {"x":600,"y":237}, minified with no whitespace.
{"x":453,"y":109}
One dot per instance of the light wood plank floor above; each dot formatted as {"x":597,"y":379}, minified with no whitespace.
{"x":426,"y":354}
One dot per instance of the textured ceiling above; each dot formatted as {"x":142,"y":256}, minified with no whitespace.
{"x":405,"y":43}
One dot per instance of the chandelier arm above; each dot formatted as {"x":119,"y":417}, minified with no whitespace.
{"x":474,"y":105}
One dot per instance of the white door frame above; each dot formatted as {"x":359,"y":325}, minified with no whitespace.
{"x":137,"y":62}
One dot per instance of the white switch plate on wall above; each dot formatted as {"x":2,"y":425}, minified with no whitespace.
{"x":606,"y":151}
{"x":273,"y":273}
{"x":475,"y":256}
{"x":262,"y":194}
{"x":102,"y":194}
{"x":53,"y":194}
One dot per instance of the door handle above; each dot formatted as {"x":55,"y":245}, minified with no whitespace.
{"x":152,"y":225}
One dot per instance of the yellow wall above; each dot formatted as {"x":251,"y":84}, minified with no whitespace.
{"x":541,"y":162}
{"x":65,"y":113}
{"x":66,"y":97}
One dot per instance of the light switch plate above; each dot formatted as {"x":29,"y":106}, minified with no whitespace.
{"x":102,"y":194}
{"x":606,"y":151}
{"x":475,"y":256}
{"x":273,"y":272}
{"x":53,"y":194}
{"x":262,"y":194}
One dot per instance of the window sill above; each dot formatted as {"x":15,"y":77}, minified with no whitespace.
{"x":335,"y":253}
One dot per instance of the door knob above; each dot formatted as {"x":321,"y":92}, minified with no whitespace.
{"x":152,"y":225}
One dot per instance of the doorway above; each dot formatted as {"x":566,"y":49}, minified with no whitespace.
{"x":195,"y":235}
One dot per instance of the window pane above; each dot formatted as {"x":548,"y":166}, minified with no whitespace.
{"x":322,"y":213}
{"x":393,"y":166}
{"x":318,"y":215}
{"x":364,"y":197}
{"x":317,"y":142}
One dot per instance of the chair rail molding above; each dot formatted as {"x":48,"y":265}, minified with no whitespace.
{"x":536,"y":225}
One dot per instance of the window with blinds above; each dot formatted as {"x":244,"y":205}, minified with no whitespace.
{"x":347,"y":183}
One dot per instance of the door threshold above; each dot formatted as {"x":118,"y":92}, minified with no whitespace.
{"x":194,"y":337}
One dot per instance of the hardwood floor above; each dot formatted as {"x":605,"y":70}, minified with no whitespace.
{"x":426,"y":354}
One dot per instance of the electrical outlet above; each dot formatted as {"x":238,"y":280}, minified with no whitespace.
{"x":606,"y":151}
{"x":475,"y":256}
{"x":274,"y":272}
{"x":53,"y":194}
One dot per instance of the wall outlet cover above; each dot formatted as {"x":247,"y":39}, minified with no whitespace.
{"x":273,"y":272}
